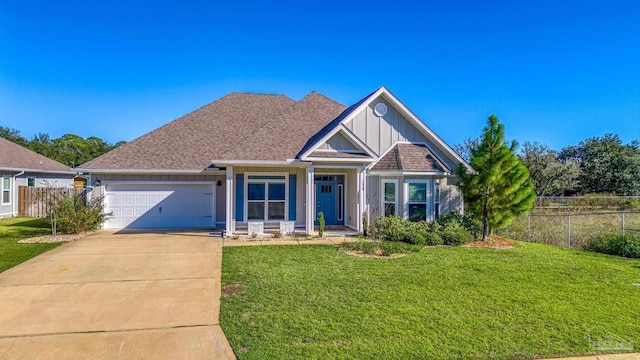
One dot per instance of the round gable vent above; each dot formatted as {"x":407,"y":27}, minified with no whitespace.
{"x":380,"y":109}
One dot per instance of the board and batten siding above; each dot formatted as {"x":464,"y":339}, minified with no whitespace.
{"x":381,"y":133}
{"x":338,"y":142}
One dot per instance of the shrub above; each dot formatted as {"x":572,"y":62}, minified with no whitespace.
{"x":366,"y":247}
{"x":454,"y":234}
{"x":383,"y":248}
{"x":433,"y":239}
{"x":391,"y":248}
{"x":389,"y":228}
{"x":76,"y":215}
{"x":394,"y":229}
{"x":365,"y":223}
{"x":627,"y":245}
{"x":321,"y":223}
{"x":466,"y":221}
{"x":629,"y":204}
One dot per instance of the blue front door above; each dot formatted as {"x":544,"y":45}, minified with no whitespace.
{"x":326,"y":201}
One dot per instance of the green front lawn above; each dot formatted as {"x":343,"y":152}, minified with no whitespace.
{"x":14,"y":229}
{"x":311,"y":302}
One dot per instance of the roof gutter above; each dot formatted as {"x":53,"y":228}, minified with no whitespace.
{"x":23,"y":170}
{"x":144,"y":171}
{"x":288,"y":162}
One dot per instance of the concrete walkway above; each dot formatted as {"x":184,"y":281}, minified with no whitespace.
{"x":288,"y":241}
{"x":121,"y":296}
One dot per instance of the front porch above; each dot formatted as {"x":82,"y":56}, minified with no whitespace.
{"x":263,"y":198}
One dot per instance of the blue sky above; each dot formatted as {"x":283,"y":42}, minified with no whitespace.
{"x":556,"y":72}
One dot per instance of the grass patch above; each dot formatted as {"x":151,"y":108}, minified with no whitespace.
{"x":312,"y":302}
{"x":17,"y":228}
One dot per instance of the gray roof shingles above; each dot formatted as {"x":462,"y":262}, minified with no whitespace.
{"x":410,"y":157}
{"x":192,"y":141}
{"x":339,"y":155}
{"x":283,"y":137}
{"x":14,"y":156}
{"x":243,"y":126}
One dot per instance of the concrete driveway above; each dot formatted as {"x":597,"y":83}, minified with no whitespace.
{"x":116,"y":296}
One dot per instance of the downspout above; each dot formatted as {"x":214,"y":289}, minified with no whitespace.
{"x":15,"y":201}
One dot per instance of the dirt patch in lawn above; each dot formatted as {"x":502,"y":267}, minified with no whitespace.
{"x":229,"y":290}
{"x":48,"y":239}
{"x":493,"y":242}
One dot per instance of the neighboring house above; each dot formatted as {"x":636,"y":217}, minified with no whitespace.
{"x":21,"y":166}
{"x":267,"y":158}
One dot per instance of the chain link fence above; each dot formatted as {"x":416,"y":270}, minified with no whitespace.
{"x":582,"y":203}
{"x":571,"y":230}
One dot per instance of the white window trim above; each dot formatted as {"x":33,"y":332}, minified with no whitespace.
{"x":6,"y":189}
{"x":382,"y":194}
{"x":340,"y":201}
{"x":35,"y":181}
{"x":427,"y":202}
{"x":266,"y":195}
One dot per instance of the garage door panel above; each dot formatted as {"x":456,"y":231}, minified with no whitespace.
{"x":159,"y":205}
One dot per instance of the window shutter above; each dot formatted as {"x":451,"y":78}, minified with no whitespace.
{"x":292,"y":197}
{"x":239,"y":197}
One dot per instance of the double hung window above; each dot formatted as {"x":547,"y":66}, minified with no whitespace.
{"x":266,"y":197}
{"x":417,"y":201}
{"x":6,"y":190}
{"x":390,"y":197}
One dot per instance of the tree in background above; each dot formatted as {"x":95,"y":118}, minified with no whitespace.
{"x":464,"y":149}
{"x":69,"y":149}
{"x":607,"y":165}
{"x":550,"y":176}
{"x":13,"y":135}
{"x":499,"y":189}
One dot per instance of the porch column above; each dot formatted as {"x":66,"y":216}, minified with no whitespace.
{"x":361,"y":196}
{"x":229,"y":218}
{"x":365,"y":205}
{"x":309,"y":203}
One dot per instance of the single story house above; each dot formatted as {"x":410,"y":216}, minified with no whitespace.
{"x":266,"y":159}
{"x":21,"y":166}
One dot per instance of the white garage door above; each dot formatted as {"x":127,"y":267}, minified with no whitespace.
{"x":138,"y":206}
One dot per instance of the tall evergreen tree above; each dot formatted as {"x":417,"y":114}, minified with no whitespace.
{"x":499,"y":188}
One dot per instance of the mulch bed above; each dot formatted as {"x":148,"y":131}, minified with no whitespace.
{"x":493,"y":242}
{"x":48,"y":239}
{"x":377,"y":255}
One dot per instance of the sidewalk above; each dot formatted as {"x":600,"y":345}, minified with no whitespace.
{"x":287,"y":241}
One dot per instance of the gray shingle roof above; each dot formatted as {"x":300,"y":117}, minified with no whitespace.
{"x":14,"y":156}
{"x":409,"y":157}
{"x":339,"y":155}
{"x":192,"y":141}
{"x":284,"y":136}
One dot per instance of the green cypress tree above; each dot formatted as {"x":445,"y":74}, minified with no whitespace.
{"x":499,"y":188}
